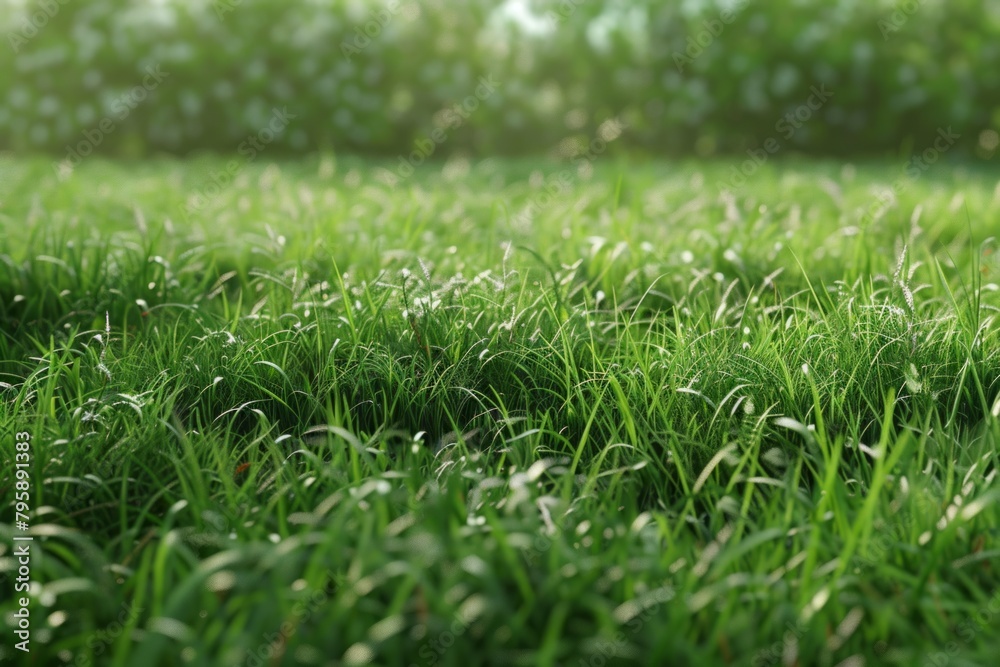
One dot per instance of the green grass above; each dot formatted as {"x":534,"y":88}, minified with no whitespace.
{"x":328,"y":421}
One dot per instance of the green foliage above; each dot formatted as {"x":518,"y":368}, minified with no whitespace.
{"x":676,"y":74}
{"x":326,"y":419}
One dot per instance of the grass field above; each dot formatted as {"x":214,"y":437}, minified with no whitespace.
{"x":315,"y":418}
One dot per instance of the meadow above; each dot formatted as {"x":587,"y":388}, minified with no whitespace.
{"x":314,"y":413}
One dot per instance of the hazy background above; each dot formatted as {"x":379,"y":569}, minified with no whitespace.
{"x":675,"y":77}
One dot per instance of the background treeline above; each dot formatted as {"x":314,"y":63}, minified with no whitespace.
{"x":374,"y":77}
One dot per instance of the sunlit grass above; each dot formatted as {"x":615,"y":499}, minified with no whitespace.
{"x":321,"y":418}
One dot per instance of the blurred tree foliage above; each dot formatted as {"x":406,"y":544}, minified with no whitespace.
{"x":684,"y":76}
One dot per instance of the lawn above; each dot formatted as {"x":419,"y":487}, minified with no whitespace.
{"x":313,"y":413}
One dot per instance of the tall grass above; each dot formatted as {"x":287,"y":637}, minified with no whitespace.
{"x":332,"y":422}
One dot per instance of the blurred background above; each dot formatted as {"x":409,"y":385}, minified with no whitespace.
{"x":131,"y":78}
